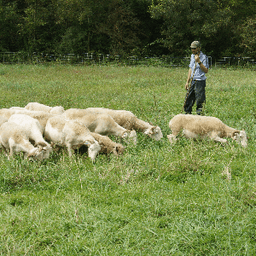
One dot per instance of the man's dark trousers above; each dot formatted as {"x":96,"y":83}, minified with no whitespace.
{"x":196,"y":94}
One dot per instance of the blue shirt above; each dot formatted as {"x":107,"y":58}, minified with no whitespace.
{"x":199,"y":74}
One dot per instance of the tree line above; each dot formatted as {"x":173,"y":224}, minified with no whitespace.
{"x":134,"y":27}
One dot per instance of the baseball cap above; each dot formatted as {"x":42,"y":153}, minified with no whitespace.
{"x":195,"y":44}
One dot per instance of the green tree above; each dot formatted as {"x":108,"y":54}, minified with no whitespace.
{"x":37,"y":26}
{"x":247,"y":32}
{"x":121,"y":27}
{"x":188,"y":20}
{"x":109,"y":26}
{"x":215,"y":23}
{"x":9,"y":19}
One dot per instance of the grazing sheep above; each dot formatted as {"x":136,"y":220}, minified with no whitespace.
{"x":195,"y":126}
{"x":3,"y":120}
{"x":41,"y":116}
{"x":71,"y":134}
{"x":102,"y":124}
{"x":14,"y":140}
{"x":35,"y":106}
{"x":107,"y":145}
{"x":6,"y":112}
{"x":125,"y":119}
{"x":33,"y":129}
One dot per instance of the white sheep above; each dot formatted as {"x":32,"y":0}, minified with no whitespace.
{"x":14,"y":140}
{"x":71,"y":134}
{"x":195,"y":126}
{"x":35,"y":106}
{"x":102,"y":124}
{"x":128,"y":120}
{"x":3,"y":120}
{"x":107,"y":145}
{"x":41,"y":116}
{"x":33,"y":129}
{"x":6,"y":112}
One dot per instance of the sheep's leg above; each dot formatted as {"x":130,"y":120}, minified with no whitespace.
{"x":214,"y":136}
{"x":218,"y":139}
{"x":70,"y":150}
{"x":10,"y":153}
{"x":172,"y":138}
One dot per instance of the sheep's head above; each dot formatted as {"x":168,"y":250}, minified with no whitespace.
{"x":32,"y":154}
{"x":172,"y":138}
{"x":47,"y":150}
{"x":154,"y":132}
{"x":41,"y":152}
{"x":36,"y":154}
{"x":118,"y":149}
{"x":93,"y":150}
{"x":241,"y":138}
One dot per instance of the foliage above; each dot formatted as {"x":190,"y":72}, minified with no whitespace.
{"x":186,"y":21}
{"x":191,"y":198}
{"x":9,"y":19}
{"x":135,"y":27}
{"x":248,"y":35}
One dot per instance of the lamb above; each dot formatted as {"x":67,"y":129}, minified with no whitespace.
{"x":14,"y":140}
{"x":3,"y":120}
{"x":71,"y":134}
{"x":101,"y":123}
{"x":6,"y":112}
{"x":35,"y":106}
{"x":33,"y":129}
{"x":204,"y":126}
{"x":125,"y":119}
{"x":107,"y":145}
{"x":41,"y":116}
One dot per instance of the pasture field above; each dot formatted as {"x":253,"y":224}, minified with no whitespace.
{"x":191,"y":198}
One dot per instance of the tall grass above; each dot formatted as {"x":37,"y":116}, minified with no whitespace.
{"x":192,"y":198}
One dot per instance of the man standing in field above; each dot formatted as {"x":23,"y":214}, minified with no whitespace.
{"x":198,"y":67}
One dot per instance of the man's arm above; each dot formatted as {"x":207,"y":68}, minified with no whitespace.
{"x":188,"y":80}
{"x":202,"y":66}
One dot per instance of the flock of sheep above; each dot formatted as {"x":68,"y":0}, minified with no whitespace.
{"x":37,"y":128}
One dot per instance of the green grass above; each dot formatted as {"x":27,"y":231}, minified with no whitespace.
{"x":157,"y":198}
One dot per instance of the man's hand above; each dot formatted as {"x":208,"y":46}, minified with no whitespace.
{"x":197,"y":59}
{"x":187,"y":86}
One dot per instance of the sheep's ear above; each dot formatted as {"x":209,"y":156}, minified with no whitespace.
{"x":115,"y":150}
{"x":235,"y":133}
{"x":153,"y":130}
{"x":150,"y":131}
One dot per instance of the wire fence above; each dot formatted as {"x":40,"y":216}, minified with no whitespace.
{"x":104,"y":59}
{"x":89,"y":59}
